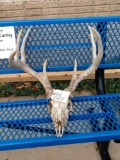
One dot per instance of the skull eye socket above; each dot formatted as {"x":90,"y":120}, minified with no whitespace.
{"x":70,"y":108}
{"x":49,"y":107}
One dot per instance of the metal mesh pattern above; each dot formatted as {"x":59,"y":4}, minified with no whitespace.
{"x":61,"y":42}
{"x":27,"y":120}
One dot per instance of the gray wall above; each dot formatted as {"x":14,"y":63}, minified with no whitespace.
{"x":33,"y":9}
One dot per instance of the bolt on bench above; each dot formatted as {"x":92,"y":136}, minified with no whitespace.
{"x":27,"y":124}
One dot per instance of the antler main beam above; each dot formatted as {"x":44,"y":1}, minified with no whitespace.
{"x":96,"y":61}
{"x":21,"y":63}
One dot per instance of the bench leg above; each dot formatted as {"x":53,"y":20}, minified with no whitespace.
{"x":103,"y":149}
{"x":100,"y":87}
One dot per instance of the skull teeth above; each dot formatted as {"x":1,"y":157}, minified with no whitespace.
{"x":59,"y":131}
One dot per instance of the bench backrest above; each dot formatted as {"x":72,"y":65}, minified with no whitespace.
{"x":61,"y":41}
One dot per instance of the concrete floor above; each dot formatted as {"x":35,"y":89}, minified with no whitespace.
{"x":87,"y":151}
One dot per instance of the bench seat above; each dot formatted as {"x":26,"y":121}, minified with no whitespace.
{"x":27,"y":124}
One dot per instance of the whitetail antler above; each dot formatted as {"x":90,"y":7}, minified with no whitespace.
{"x":21,"y":63}
{"x":96,"y":61}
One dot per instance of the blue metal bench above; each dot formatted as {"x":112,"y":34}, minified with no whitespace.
{"x":27,"y":124}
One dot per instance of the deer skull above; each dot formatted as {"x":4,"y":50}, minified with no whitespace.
{"x":60,"y":114}
{"x":59,"y":110}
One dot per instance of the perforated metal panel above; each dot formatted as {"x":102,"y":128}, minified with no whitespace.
{"x":61,"y":41}
{"x":28,"y":123}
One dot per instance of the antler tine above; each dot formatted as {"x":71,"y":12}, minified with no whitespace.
{"x":93,"y":43}
{"x":44,"y":67}
{"x":17,"y":45}
{"x":23,"y":59}
{"x":75,"y":67}
{"x":99,"y":56}
{"x":21,"y":63}
{"x":48,"y":87}
{"x":12,"y":55}
{"x":16,"y":62}
{"x":96,"y":61}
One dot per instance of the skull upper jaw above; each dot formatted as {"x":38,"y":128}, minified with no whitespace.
{"x":59,"y":114}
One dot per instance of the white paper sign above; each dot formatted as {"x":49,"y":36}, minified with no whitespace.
{"x":61,"y":96}
{"x":7,"y":41}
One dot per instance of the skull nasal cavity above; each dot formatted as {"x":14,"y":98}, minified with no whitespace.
{"x":59,"y":114}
